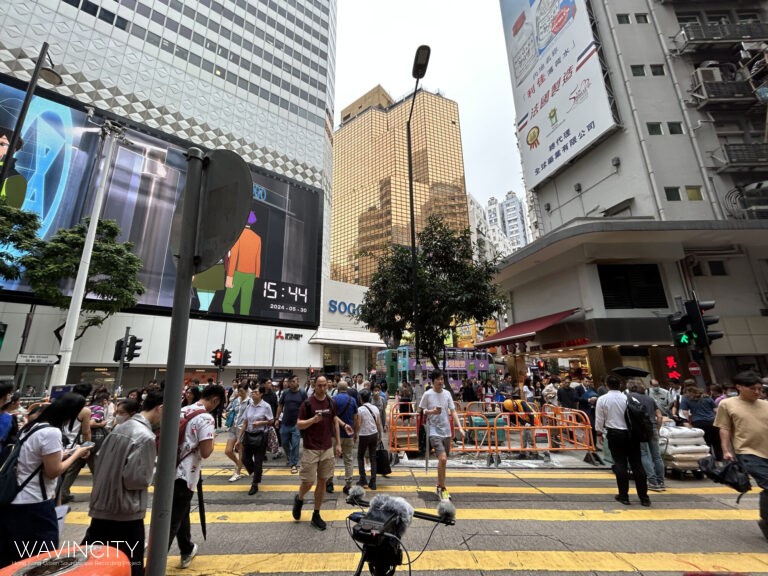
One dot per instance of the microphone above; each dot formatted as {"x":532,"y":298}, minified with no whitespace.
{"x":356,"y":494}
{"x":447,"y":512}
{"x":392,"y":505}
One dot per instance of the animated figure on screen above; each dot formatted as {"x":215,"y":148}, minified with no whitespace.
{"x":243,"y":267}
{"x":15,"y":188}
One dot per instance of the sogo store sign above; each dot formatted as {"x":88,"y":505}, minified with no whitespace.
{"x":341,"y":307}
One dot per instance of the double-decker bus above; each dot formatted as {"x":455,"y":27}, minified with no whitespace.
{"x":458,"y":364}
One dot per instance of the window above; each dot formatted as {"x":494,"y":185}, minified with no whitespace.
{"x":694,"y":193}
{"x":638,"y":70}
{"x":672,"y":193}
{"x":89,"y":8}
{"x":654,"y":128}
{"x":657,"y":70}
{"x":687,"y":18}
{"x":675,"y":127}
{"x":121,"y":23}
{"x":153,"y":38}
{"x":106,"y":16}
{"x":194,"y":59}
{"x":641,"y":18}
{"x":631,"y":286}
{"x":717,"y":268}
{"x":622,"y":18}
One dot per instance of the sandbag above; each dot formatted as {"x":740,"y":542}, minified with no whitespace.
{"x":694,"y":449}
{"x":681,"y":441}
{"x":680,"y":432}
{"x":688,"y":459}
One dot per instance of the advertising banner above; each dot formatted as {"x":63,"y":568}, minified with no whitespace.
{"x":561,"y":102}
{"x":270,"y":275}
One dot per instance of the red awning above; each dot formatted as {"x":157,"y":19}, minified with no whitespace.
{"x":523,"y":331}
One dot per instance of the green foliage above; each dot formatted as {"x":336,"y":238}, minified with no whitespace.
{"x":112,"y":283}
{"x":450,"y":287}
{"x":18,"y":231}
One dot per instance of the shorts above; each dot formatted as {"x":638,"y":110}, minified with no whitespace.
{"x":440,"y":444}
{"x":316,"y":465}
{"x":234,"y":432}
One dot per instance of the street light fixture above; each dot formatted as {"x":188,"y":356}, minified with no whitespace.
{"x":420,"y":63}
{"x":41,"y":72}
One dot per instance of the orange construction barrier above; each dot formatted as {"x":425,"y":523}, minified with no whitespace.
{"x":403,"y":428}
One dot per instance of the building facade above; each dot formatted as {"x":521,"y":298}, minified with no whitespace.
{"x":649,"y":190}
{"x":371,"y":209}
{"x":253,"y":76}
{"x":478,"y":227}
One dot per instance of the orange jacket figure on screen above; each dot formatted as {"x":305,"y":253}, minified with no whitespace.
{"x":243,"y":268}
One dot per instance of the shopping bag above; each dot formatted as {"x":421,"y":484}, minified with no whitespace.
{"x":272,"y":444}
{"x":383,"y":467}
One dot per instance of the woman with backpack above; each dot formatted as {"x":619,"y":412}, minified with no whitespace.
{"x":29,"y":521}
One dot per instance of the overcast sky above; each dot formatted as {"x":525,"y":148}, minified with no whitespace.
{"x":376,"y":42}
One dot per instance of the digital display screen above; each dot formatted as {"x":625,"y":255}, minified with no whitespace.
{"x":270,"y":275}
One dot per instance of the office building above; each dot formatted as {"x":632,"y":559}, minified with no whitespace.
{"x":253,"y":76}
{"x":371,"y":209}
{"x":641,"y":129}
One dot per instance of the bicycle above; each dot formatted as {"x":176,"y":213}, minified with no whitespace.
{"x":379,"y":530}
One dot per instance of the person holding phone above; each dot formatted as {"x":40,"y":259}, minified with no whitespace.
{"x":29,"y":525}
{"x":439,"y":408}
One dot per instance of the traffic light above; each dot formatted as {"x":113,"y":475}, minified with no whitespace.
{"x":679,"y":327}
{"x":3,"y":328}
{"x":133,"y":348}
{"x":225,"y":359}
{"x":218,"y":355}
{"x":119,"y":351}
{"x":699,"y":322}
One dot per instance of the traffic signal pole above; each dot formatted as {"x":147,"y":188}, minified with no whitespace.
{"x":122,"y":359}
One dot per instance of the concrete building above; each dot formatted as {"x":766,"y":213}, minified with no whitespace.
{"x":478,"y":226}
{"x":641,"y":128}
{"x":254,"y":76}
{"x":509,"y":216}
{"x":371,"y":208}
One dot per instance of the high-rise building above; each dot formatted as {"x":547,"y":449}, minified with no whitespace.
{"x":641,"y":129}
{"x":508,"y":215}
{"x":371,"y":209}
{"x":253,"y":76}
{"x":478,"y":227}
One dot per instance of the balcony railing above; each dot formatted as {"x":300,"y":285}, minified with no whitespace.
{"x":723,"y":95}
{"x":742,"y":157}
{"x":693,"y":37}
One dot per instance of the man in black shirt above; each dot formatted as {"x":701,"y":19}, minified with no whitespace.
{"x":288,"y":408}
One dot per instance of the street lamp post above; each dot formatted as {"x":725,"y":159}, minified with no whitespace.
{"x":41,"y":71}
{"x":420,"y":62}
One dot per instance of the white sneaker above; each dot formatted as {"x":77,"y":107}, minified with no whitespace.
{"x":235,"y":477}
{"x":187,"y":560}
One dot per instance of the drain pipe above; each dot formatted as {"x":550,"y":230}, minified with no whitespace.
{"x":640,"y":134}
{"x":714,"y":201}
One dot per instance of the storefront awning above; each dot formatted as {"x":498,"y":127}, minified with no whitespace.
{"x":346,"y":338}
{"x":523,"y":331}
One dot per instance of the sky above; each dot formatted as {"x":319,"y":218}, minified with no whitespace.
{"x":376,"y":42}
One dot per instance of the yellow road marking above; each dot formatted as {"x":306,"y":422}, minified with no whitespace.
{"x":516,"y":514}
{"x":395,"y":488}
{"x":476,"y":561}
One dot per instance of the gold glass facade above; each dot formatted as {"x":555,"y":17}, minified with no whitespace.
{"x":371,"y":208}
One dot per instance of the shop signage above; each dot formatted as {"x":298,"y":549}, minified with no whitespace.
{"x":342,"y":307}
{"x":565,"y":344}
{"x":672,"y":368}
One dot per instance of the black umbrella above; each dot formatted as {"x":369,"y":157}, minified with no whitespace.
{"x":630,"y":371}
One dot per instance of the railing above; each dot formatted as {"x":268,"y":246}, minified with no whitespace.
{"x":490,"y":430}
{"x":692,"y":35}
{"x":736,"y":157}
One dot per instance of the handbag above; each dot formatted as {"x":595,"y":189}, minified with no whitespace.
{"x":253,"y":438}
{"x":272,"y":444}
{"x":732,"y":474}
{"x":382,"y":461}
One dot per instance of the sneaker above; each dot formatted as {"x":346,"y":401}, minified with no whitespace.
{"x":442,"y":493}
{"x":372,"y":486}
{"x":645,"y":502}
{"x":329,"y":487}
{"x":622,"y":499}
{"x":656,"y":487}
{"x":297,"y":506}
{"x":235,"y":477}
{"x":763,"y":524}
{"x":318,"y":522}
{"x":346,"y":488}
{"x":186,"y":559}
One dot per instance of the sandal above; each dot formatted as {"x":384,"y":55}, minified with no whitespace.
{"x":294,"y":470}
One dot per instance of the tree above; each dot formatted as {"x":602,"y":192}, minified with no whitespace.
{"x":112,"y":283}
{"x":18,"y":231}
{"x":451,"y":289}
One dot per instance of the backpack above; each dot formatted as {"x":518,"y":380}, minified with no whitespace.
{"x":9,"y":483}
{"x":638,"y":420}
{"x":183,"y":421}
{"x":732,"y":474}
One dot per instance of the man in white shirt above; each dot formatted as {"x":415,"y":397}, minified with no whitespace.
{"x":438,"y":405}
{"x":196,"y":446}
{"x":611,"y":424}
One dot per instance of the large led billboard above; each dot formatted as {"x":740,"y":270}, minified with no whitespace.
{"x":270,"y":275}
{"x":561,"y":102}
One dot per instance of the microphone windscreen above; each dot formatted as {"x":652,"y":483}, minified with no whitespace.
{"x":446,"y":510}
{"x":356,"y":493}
{"x":393,"y":505}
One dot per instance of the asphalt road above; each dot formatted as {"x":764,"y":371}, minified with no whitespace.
{"x":523,"y":518}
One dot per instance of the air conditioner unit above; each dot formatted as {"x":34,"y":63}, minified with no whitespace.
{"x":702,"y":75}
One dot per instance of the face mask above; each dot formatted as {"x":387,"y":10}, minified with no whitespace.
{"x":120,"y":418}
{"x":144,"y":396}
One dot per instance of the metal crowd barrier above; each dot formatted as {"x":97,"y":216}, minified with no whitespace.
{"x":491,"y":430}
